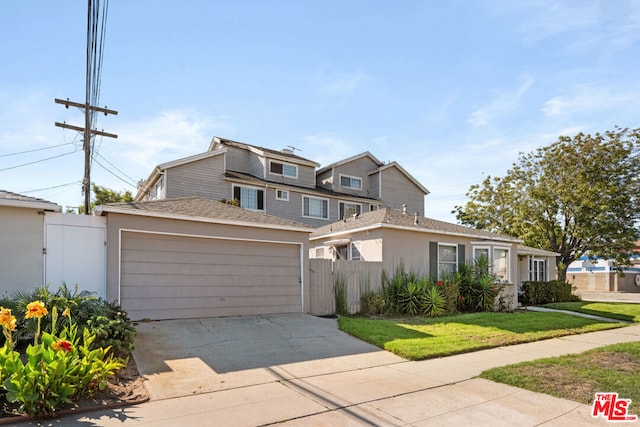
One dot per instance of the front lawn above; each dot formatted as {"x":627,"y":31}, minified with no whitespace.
{"x":425,"y":338}
{"x":614,"y":368}
{"x":614,"y":310}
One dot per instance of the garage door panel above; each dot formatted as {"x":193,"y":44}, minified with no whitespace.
{"x":174,"y":281}
{"x":186,"y":291}
{"x":169,"y":276}
{"x":158,"y":259}
{"x":159,"y":269}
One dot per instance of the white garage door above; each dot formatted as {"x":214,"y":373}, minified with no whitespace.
{"x":174,"y":277}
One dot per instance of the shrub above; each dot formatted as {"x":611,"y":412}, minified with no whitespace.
{"x":433,"y":303}
{"x":535,"y":293}
{"x":372,"y":303}
{"x":340,"y":295}
{"x":113,"y":330}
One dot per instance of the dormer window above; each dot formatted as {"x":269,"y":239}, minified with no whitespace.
{"x":284,"y":169}
{"x":353,"y":182}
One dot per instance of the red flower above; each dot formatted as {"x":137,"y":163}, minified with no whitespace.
{"x":439,"y":283}
{"x":62,"y":345}
{"x":494,"y":288}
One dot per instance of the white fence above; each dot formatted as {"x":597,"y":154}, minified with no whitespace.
{"x":359,"y":278}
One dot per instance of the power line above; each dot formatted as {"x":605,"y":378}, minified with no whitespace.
{"x":38,"y":161}
{"x":51,"y":188}
{"x":116,"y":168}
{"x":115,"y":174}
{"x":37,"y":149}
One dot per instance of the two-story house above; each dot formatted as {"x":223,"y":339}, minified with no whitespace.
{"x":283,"y":184}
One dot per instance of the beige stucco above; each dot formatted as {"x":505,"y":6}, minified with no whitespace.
{"x":116,"y":222}
{"x":21,"y":243}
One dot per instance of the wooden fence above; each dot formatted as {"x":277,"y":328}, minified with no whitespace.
{"x":359,"y":277}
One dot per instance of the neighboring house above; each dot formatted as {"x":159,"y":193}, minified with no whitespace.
{"x":427,"y":246}
{"x":22,"y":241}
{"x":601,"y":275}
{"x":196,"y":257}
{"x":283,"y":184}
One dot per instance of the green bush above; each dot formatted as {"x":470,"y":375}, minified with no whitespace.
{"x":340,"y":295}
{"x":114,"y":330}
{"x":372,"y":303}
{"x":536,"y":293}
{"x":433,"y":303}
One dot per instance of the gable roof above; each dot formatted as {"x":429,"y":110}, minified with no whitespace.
{"x":381,"y":166}
{"x":283,"y":155}
{"x":202,"y":210}
{"x":8,"y":198}
{"x":389,"y":218}
{"x":528,"y":250}
{"x":349,"y":160}
{"x":395,"y":164}
{"x":157,"y":171}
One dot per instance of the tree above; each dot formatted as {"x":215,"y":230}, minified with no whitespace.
{"x":578,"y":196}
{"x":102,"y":195}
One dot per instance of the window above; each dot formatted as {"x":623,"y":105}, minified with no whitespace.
{"x":374,"y":207}
{"x":285,"y":169}
{"x":537,"y":270}
{"x":500,"y":263}
{"x":282,"y":195}
{"x":447,"y":260}
{"x":249,"y":198}
{"x":159,"y":189}
{"x":351,"y":182}
{"x":320,"y":252}
{"x":355,"y":251}
{"x":315,"y":208}
{"x":482,"y":259}
{"x":348,"y":209}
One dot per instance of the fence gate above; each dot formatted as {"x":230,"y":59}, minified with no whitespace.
{"x":75,"y":252}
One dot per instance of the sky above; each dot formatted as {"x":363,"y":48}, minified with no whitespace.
{"x":452,"y":90}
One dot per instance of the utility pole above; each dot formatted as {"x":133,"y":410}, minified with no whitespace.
{"x":86,"y":143}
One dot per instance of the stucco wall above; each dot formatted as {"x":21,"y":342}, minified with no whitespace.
{"x":21,"y":243}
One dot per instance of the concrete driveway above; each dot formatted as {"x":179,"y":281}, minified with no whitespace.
{"x":187,"y":357}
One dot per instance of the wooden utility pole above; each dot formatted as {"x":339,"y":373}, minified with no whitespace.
{"x":86,"y":143}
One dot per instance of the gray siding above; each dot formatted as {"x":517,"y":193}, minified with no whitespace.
{"x":325,"y":179}
{"x":397,"y":190}
{"x":200,"y":178}
{"x":237,"y":159}
{"x":306,"y":175}
{"x":374,"y":185}
{"x":359,"y":168}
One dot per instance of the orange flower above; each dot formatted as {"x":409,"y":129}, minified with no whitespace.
{"x":66,"y":312}
{"x":7,"y":319}
{"x":61,"y":345}
{"x":36,"y":309}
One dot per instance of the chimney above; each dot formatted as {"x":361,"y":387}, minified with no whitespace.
{"x":404,"y":209}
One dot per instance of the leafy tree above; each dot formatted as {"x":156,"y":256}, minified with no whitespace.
{"x":578,"y":196}
{"x":102,"y":195}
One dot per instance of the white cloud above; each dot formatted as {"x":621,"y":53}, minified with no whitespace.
{"x":345,"y":84}
{"x":504,"y":104}
{"x":588,"y":99}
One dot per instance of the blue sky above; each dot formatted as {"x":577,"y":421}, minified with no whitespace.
{"x":452,"y":90}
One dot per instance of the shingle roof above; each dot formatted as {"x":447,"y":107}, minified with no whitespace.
{"x":395,"y":219}
{"x":9,"y":198}
{"x":196,"y":208}
{"x":244,"y":145}
{"x":260,"y":181}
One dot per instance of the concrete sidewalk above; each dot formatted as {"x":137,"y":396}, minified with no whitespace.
{"x":376,"y":390}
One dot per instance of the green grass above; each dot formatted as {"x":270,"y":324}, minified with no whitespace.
{"x":614,"y":310}
{"x":614,"y":368}
{"x":422,"y":338}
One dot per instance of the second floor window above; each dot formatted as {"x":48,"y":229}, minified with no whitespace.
{"x":249,"y":197}
{"x":285,"y":169}
{"x":315,"y":208}
{"x":351,"y":182}
{"x":348,"y":209}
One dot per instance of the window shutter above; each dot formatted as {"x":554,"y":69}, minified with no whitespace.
{"x":236,"y":194}
{"x":433,"y":260}
{"x":461,"y":256}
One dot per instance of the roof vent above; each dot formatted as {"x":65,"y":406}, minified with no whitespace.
{"x":355,"y":216}
{"x":404,"y":209}
{"x":287,"y":151}
{"x":415,"y":219}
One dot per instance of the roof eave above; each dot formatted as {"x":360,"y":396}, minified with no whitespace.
{"x":33,"y":205}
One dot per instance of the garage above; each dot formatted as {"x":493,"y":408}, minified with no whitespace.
{"x":168,"y":276}
{"x":169,"y":265}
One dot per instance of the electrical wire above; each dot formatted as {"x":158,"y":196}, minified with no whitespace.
{"x":38,"y":161}
{"x":37,"y":149}
{"x":116,"y":168}
{"x":51,"y":188}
